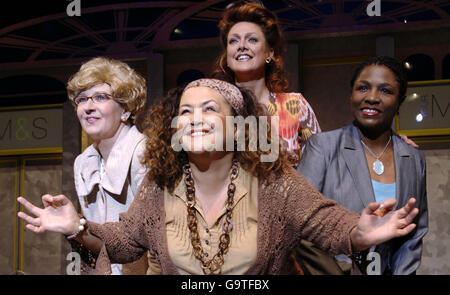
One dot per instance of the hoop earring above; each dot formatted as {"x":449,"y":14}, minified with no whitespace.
{"x":268,"y":60}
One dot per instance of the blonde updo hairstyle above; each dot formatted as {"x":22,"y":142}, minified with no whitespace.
{"x":128,"y":88}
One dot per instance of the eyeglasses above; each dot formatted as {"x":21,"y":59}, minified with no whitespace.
{"x":96,"y":98}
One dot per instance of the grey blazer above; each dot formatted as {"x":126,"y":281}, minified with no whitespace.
{"x":335,"y":163}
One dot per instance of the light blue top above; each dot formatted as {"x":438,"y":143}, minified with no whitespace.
{"x":383,"y":191}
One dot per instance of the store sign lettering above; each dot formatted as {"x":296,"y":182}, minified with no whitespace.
{"x":30,"y":129}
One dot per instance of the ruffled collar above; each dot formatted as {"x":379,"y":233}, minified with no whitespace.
{"x":116,"y":167}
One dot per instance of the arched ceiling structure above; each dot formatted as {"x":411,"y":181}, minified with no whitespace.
{"x":30,"y":33}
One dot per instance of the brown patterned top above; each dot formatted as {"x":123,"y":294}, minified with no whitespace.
{"x":289,"y":209}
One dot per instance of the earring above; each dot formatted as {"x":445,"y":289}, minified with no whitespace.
{"x":124,"y":117}
{"x":268,"y":60}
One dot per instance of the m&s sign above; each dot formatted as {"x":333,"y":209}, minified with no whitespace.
{"x":30,"y":129}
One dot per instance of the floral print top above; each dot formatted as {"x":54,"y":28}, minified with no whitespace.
{"x":295,"y":114}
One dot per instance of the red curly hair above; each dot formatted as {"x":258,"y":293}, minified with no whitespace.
{"x":258,"y":14}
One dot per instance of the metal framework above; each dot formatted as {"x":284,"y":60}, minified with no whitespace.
{"x":137,"y":28}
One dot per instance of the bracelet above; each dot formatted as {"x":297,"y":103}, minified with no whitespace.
{"x":80,"y":228}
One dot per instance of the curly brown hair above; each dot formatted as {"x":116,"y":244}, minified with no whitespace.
{"x":258,"y":14}
{"x":165,"y":164}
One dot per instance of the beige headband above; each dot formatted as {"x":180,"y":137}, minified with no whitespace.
{"x":230,"y":92}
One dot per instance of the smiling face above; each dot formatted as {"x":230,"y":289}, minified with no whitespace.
{"x":374,"y":100}
{"x":202,"y":119}
{"x":247,"y":50}
{"x":100,"y":120}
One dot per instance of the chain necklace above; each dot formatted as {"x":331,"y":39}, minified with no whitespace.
{"x":377,"y":166}
{"x":215,"y":264}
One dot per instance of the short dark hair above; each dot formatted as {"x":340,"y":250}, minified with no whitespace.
{"x":391,"y":63}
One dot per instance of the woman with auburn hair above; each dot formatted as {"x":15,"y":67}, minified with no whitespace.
{"x":107,"y":94}
{"x":253,"y":45}
{"x":207,"y":209}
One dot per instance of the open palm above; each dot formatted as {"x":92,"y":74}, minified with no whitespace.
{"x":374,"y":229}
{"x":58,"y":215}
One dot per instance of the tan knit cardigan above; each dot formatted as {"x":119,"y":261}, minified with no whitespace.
{"x":289,"y":206}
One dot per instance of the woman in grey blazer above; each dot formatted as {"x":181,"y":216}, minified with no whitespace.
{"x":366,"y":162}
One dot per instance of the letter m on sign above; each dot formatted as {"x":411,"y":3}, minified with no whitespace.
{"x":8,"y":126}
{"x":435,"y":101}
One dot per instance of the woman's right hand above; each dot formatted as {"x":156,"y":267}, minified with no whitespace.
{"x":58,"y":215}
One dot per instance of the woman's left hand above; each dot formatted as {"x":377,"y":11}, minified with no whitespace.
{"x":374,"y":228}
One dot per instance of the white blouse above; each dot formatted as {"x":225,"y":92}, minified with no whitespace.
{"x":106,"y":190}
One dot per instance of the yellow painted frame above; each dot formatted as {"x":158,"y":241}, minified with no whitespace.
{"x":321,"y":62}
{"x":25,"y":152}
{"x":32,"y":151}
{"x":85,"y":140}
{"x":16,"y":162}
{"x":429,"y":82}
{"x":22,"y":184}
{"x":32,"y":107}
{"x":424,"y":132}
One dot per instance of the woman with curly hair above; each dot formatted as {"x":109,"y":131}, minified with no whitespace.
{"x":209,"y":209}
{"x":253,"y":45}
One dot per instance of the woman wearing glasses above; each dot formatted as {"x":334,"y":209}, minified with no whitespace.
{"x":207,"y":209}
{"x":107,"y":94}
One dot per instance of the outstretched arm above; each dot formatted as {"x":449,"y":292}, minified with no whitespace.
{"x":58,"y":215}
{"x":338,"y":230}
{"x":114,"y":242}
